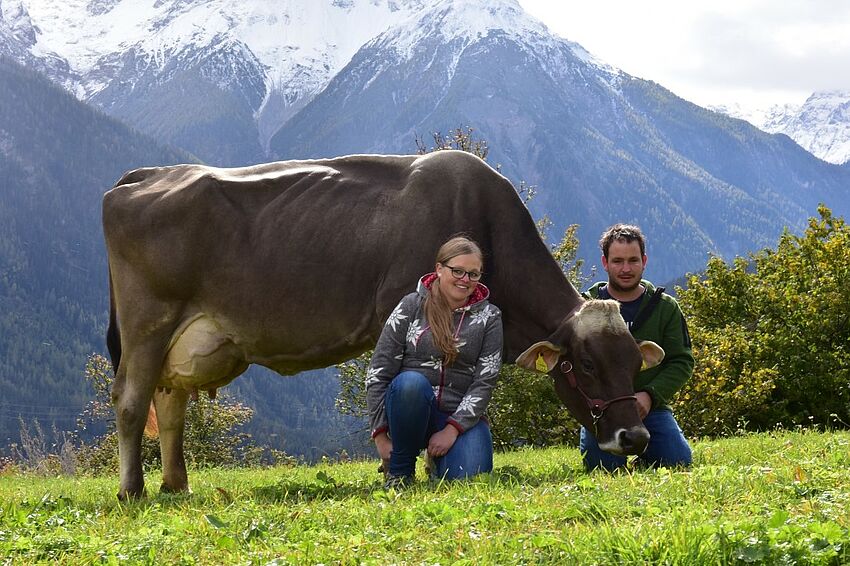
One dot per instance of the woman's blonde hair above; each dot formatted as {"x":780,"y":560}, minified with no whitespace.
{"x":437,"y":308}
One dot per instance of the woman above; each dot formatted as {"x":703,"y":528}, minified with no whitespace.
{"x":434,"y":369}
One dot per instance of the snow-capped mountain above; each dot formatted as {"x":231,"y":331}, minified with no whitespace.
{"x":465,"y":22}
{"x":18,"y":35}
{"x":255,"y":57}
{"x":821,"y":124}
{"x":412,"y":68}
{"x":422,"y":65}
{"x":218,"y":78}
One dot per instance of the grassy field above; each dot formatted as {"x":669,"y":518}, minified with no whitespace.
{"x":778,"y":498}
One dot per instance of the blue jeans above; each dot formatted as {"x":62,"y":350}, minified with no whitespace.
{"x":413,"y":417}
{"x":667,"y":445}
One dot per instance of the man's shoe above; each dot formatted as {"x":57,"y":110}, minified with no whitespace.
{"x":398,"y":483}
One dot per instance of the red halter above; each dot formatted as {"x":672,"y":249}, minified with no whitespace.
{"x":597,"y":406}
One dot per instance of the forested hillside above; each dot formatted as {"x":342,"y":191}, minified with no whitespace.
{"x":297,"y":414}
{"x":57,"y":157}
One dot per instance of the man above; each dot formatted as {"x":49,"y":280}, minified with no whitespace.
{"x":653,"y":315}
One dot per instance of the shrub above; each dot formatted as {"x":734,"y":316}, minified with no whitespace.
{"x":36,"y":454}
{"x":525,"y":411}
{"x":771,"y":335}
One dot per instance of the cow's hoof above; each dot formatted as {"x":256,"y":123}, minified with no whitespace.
{"x":165,"y":488}
{"x":131,"y":494}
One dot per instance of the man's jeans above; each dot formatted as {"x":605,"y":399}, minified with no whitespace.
{"x":413,"y":417}
{"x":667,"y":445}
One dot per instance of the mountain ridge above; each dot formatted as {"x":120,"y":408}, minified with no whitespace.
{"x":120,"y":45}
{"x":820,"y":125}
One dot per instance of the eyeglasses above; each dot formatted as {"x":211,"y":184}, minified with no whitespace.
{"x":458,"y":273}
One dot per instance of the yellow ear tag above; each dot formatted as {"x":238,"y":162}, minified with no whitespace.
{"x":643,"y":365}
{"x":540,"y":364}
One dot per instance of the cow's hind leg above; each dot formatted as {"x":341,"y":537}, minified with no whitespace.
{"x":131,"y":398}
{"x":171,"y":418}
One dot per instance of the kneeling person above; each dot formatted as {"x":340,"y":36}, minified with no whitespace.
{"x":434,"y":369}
{"x":650,"y":315}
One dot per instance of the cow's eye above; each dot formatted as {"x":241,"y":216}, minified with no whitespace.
{"x":587,"y":365}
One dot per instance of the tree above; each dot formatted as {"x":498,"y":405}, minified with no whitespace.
{"x":771,"y":335}
{"x":461,"y":139}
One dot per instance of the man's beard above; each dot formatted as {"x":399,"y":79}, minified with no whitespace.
{"x":614,"y":284}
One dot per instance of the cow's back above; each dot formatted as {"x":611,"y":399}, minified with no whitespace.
{"x":176,"y":223}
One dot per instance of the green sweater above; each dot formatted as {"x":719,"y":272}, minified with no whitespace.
{"x":666,"y":327}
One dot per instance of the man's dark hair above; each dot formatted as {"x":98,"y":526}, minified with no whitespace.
{"x":622,"y":233}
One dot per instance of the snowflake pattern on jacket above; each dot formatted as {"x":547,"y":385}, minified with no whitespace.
{"x":462,"y":390}
{"x":395,"y":317}
{"x":413,"y":332}
{"x":468,"y":404}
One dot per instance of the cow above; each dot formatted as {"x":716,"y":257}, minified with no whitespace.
{"x":295,"y":265}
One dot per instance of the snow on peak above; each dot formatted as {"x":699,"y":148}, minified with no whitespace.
{"x":15,"y":19}
{"x":466,"y":20}
{"x":831,"y":107}
{"x":463,"y":23}
{"x":283,"y":34}
{"x":472,"y":19}
{"x":821,"y":124}
{"x":287,"y":37}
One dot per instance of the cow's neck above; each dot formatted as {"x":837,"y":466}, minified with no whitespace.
{"x":534,"y":296}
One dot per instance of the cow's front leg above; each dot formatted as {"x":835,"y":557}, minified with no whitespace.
{"x":171,"y":419}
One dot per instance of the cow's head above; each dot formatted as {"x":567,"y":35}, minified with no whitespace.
{"x":594,"y":360}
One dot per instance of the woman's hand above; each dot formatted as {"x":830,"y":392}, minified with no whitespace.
{"x":385,"y":448}
{"x":441,"y":442}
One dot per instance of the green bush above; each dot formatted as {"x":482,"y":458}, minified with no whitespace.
{"x":525,"y":411}
{"x":771,"y":335}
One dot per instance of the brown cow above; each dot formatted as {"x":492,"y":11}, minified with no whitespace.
{"x":295,"y":265}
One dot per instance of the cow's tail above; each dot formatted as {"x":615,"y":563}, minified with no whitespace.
{"x":113,"y":344}
{"x":113,"y":336}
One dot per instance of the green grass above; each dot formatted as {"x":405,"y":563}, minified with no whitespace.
{"x":778,"y":498}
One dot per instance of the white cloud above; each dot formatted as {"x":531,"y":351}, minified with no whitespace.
{"x":722,"y":51}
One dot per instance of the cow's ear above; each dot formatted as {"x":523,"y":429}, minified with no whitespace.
{"x":651,"y":353}
{"x":540,"y":357}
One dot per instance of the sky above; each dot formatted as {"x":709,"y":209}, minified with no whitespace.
{"x":714,"y":52}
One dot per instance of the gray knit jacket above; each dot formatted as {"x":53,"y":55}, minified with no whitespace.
{"x":463,"y":389}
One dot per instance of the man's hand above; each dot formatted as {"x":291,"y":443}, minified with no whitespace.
{"x":385,"y":448}
{"x":644,"y":403}
{"x":441,"y":442}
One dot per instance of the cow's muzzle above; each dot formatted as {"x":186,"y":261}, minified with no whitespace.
{"x":597,"y":406}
